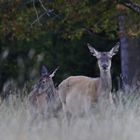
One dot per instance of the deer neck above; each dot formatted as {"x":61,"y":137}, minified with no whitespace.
{"x":105,"y":81}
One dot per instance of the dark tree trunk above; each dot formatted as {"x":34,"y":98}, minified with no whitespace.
{"x":124,"y":51}
{"x":130,"y":51}
{"x":134,"y":62}
{"x":130,"y":57}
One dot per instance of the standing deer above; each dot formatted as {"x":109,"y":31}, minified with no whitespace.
{"x":76,"y":91}
{"x":43,"y":99}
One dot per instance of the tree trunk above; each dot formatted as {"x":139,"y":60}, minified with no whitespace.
{"x":130,"y":50}
{"x":134,"y":62}
{"x":124,"y":51}
{"x":130,"y":57}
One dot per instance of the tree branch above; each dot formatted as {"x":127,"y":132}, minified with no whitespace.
{"x":49,"y":12}
{"x":42,"y":5}
{"x":39,"y":17}
{"x":36,"y":12}
{"x":132,"y":6}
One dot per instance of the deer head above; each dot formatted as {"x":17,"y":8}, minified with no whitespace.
{"x":104,"y":58}
{"x":45,"y":78}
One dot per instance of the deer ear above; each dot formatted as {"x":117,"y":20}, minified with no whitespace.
{"x":43,"y":71}
{"x":115,"y":49}
{"x":52,"y":75}
{"x":92,"y":50}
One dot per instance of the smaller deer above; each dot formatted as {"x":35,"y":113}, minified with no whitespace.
{"x":43,"y":99}
{"x":76,"y":91}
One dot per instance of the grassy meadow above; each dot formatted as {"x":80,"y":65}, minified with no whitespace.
{"x":120,"y":121}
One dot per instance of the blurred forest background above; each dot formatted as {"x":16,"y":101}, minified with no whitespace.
{"x":55,"y":33}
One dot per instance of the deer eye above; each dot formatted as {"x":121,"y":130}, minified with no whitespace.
{"x":43,"y":82}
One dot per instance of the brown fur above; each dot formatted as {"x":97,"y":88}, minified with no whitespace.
{"x":85,"y":86}
{"x":81,"y":91}
{"x":78,"y":94}
{"x":44,"y":102}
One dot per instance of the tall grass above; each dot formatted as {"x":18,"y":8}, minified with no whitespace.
{"x":106,"y":123}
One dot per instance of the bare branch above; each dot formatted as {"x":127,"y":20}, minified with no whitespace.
{"x":47,"y":11}
{"x":36,"y":12}
{"x":39,"y":17}
{"x":42,"y":5}
{"x":132,"y":6}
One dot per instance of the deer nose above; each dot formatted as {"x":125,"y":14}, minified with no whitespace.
{"x":104,"y":67}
